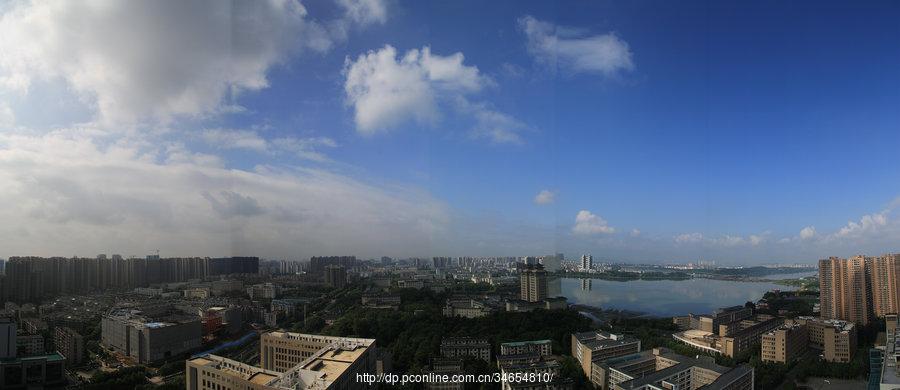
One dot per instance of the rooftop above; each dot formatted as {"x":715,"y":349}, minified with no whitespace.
{"x":889,"y":373}
{"x":598,"y":340}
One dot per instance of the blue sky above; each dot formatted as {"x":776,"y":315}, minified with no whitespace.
{"x":729,"y":131}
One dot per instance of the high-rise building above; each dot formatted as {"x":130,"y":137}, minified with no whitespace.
{"x":844,"y":289}
{"x":7,"y":338}
{"x":336,"y":276}
{"x":317,"y":264}
{"x":70,"y":344}
{"x":533,"y":283}
{"x":883,"y":275}
{"x":587,"y":262}
{"x":859,"y":288}
{"x":33,"y":278}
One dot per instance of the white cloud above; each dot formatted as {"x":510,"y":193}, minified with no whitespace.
{"x":7,"y":116}
{"x":575,"y":51}
{"x":365,"y":12}
{"x":497,"y":127}
{"x":756,"y":239}
{"x":587,"y":223}
{"x":807,"y":232}
{"x":305,"y":148}
{"x":136,"y":60}
{"x":868,"y":224}
{"x":545,"y":197}
{"x":635,"y":232}
{"x":234,"y":139}
{"x":729,"y":240}
{"x":74,"y":195}
{"x":387,"y":91}
{"x":688,"y":238}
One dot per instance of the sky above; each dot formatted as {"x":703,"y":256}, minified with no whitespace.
{"x":637,"y":131}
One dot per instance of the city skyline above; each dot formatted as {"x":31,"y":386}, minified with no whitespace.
{"x":650,"y":134}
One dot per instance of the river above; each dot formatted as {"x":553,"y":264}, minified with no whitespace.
{"x":664,"y":298}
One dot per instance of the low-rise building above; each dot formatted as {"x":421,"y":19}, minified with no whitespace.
{"x":282,"y":351}
{"x":197,"y":293}
{"x":538,"y":347}
{"x":835,"y":338}
{"x":262,"y":291}
{"x":747,"y":336}
{"x":466,"y":308}
{"x":33,"y":372}
{"x":147,"y":339}
{"x":597,"y":346}
{"x":390,"y":302}
{"x":445,"y":366}
{"x":783,"y":344}
{"x":672,"y":371}
{"x":291,"y":361}
{"x":466,"y":346}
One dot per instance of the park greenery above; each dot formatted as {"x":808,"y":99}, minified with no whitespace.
{"x":413,"y":333}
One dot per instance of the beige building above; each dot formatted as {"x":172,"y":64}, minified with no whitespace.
{"x":597,"y":346}
{"x":322,"y":362}
{"x":784,"y":344}
{"x":858,"y":288}
{"x":466,"y":308}
{"x":835,"y":338}
{"x":282,"y":351}
{"x":662,"y":369}
{"x":533,"y":283}
{"x":883,"y":275}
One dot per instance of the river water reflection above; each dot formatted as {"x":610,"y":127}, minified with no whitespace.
{"x":663,"y":298}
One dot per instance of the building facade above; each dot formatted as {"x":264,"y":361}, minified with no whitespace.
{"x":70,"y":344}
{"x":859,"y":288}
{"x":452,"y":347}
{"x":835,"y":338}
{"x":150,"y":340}
{"x":533,"y":283}
{"x":597,"y":346}
{"x":784,"y":344}
{"x":282,"y":351}
{"x":333,"y":365}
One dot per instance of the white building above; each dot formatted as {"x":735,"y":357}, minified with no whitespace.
{"x":587,"y":262}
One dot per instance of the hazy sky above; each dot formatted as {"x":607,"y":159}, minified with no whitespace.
{"x":741,"y":132}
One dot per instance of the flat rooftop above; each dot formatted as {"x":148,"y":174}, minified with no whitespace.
{"x":598,"y":340}
{"x":889,"y":374}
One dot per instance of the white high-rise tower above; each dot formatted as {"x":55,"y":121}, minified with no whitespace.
{"x":587,"y":262}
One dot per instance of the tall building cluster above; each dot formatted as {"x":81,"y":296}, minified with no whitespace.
{"x":859,"y":288}
{"x":31,"y":278}
{"x":317,"y":264}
